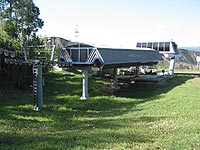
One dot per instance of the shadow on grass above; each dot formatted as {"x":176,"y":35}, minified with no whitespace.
{"x":70,"y":141}
{"x":61,"y":83}
{"x":68,"y":123}
{"x":57,"y":98}
{"x":146,"y":91}
{"x":95,"y":134}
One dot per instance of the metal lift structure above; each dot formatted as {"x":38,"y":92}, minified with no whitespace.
{"x":168,"y":49}
{"x":110,"y":58}
{"x":85,"y":57}
{"x":10,"y":58}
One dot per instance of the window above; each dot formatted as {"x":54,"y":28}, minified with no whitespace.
{"x":138,"y":45}
{"x":144,"y":45}
{"x":167,"y":46}
{"x":83,"y":55}
{"x":75,"y":55}
{"x":155,"y":46}
{"x":161,"y":46}
{"x":149,"y":45}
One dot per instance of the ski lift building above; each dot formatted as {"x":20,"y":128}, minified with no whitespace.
{"x":168,"y":49}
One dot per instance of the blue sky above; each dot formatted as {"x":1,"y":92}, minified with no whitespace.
{"x":122,"y":22}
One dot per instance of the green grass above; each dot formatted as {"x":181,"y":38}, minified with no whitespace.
{"x":187,"y":70}
{"x":151,"y":116}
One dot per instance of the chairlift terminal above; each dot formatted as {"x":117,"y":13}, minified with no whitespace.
{"x":87,"y":57}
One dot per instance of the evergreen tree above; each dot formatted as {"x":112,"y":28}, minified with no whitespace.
{"x":21,"y":17}
{"x":19,"y":22}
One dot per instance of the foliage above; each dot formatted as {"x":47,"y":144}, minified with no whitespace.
{"x":163,"y":65}
{"x":21,"y":16}
{"x":8,"y":43}
{"x":19,"y":23}
{"x":150,"y":116}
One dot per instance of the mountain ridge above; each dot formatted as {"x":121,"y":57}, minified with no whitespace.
{"x":191,"y":48}
{"x":187,"y":60}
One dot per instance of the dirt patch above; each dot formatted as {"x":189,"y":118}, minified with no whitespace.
{"x":197,"y":80}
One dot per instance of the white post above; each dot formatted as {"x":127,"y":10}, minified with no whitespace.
{"x":115,"y":80}
{"x":171,"y":67}
{"x":52,"y":52}
{"x":85,"y":95}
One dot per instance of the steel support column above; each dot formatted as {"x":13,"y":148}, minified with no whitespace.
{"x":137,"y":71}
{"x":85,"y":95}
{"x":171,"y":67}
{"x":38,"y":87}
{"x":115,"y":80}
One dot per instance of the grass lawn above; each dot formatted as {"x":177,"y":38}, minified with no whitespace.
{"x":138,"y":116}
{"x":187,"y":70}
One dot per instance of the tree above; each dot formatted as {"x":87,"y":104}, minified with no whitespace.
{"x":19,"y":22}
{"x":21,"y":17}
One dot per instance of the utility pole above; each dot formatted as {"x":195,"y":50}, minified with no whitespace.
{"x":76,"y":31}
{"x":77,"y":40}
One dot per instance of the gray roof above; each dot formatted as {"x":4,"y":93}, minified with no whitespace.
{"x":111,"y":57}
